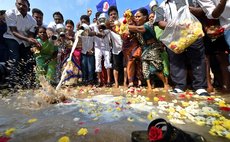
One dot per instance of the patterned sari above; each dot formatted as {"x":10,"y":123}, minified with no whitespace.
{"x":133,"y":64}
{"x":151,"y":59}
{"x":74,"y":73}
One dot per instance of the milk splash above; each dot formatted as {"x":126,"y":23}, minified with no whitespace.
{"x":64,"y":73}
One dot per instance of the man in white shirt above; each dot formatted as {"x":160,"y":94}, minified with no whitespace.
{"x":87,"y":52}
{"x":219,"y":9}
{"x":19,"y":37}
{"x":102,"y":47}
{"x":195,"y":53}
{"x":38,"y":16}
{"x":58,"y":19}
{"x":116,"y":47}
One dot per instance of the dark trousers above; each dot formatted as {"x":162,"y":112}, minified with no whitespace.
{"x":20,"y":63}
{"x":3,"y":52}
{"x":88,"y":67}
{"x":195,"y":56}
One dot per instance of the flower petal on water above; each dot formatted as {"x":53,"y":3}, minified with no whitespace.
{"x":64,"y":139}
{"x":130,"y":119}
{"x":96,"y":130}
{"x":82,"y":132}
{"x":32,"y":120}
{"x":9,"y":132}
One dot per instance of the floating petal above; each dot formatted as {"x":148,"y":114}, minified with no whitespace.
{"x":9,"y":132}
{"x":32,"y":120}
{"x":64,"y":139}
{"x":82,"y":132}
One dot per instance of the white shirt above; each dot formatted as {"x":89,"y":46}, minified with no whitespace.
{"x":116,"y":43}
{"x":24,"y":25}
{"x":93,"y":27}
{"x":52,"y":25}
{"x":170,"y":10}
{"x":208,"y":7}
{"x":101,"y":43}
{"x":87,"y":44}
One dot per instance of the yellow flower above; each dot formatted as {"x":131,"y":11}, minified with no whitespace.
{"x":169,"y":116}
{"x":222,"y":104}
{"x":156,"y":99}
{"x":182,"y":40}
{"x":198,"y":24}
{"x":182,"y":112}
{"x":216,"y":122}
{"x":9,"y":132}
{"x":147,"y":99}
{"x":32,"y":120}
{"x":109,"y":110}
{"x":82,"y":132}
{"x":64,"y":139}
{"x":171,"y":110}
{"x":130,"y":119}
{"x":218,"y":128}
{"x":198,"y":32}
{"x":200,"y":123}
{"x":228,"y":136}
{"x":81,"y":110}
{"x":150,"y":116}
{"x":184,"y":32}
{"x":212,"y":133}
{"x":184,"y":104}
{"x":118,"y":109}
{"x":226,"y":124}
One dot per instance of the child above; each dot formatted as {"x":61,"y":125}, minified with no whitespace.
{"x":45,"y":56}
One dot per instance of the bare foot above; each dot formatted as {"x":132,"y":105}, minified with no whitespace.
{"x":210,"y":89}
{"x":166,"y":87}
{"x":149,"y":88}
{"x":116,"y":85}
{"x":125,"y":85}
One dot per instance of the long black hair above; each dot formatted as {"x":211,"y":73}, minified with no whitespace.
{"x":144,"y":11}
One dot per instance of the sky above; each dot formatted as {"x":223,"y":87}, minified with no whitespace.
{"x":73,"y":9}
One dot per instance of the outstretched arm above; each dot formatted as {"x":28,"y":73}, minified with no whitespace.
{"x":219,"y":9}
{"x":211,"y":9}
{"x":162,"y":24}
{"x":136,"y":29}
{"x":29,"y":39}
{"x":197,"y":11}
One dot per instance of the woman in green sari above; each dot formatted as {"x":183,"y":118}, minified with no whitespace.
{"x":151,"y":59}
{"x":46,"y":56}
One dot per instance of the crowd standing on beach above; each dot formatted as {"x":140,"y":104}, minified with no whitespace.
{"x":115,"y":51}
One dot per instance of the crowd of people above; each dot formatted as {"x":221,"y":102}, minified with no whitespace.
{"x":106,"y":57}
